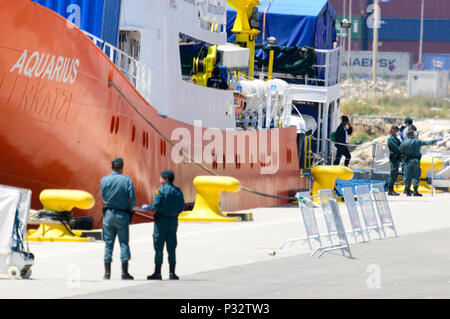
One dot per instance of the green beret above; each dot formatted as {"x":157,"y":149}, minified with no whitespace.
{"x":408,"y":120}
{"x":168,"y":174}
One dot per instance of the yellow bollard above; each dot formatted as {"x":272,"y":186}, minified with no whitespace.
{"x":206,"y":207}
{"x":426,"y":163}
{"x":325,"y":177}
{"x":58,"y":200}
{"x":64,"y":200}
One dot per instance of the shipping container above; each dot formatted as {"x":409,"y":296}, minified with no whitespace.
{"x":429,"y":47}
{"x":359,"y":7}
{"x":409,"y":30}
{"x":413,"y":47}
{"x":434,"y":9}
{"x":98,"y":17}
{"x":438,"y":62}
{"x":356,"y":27}
{"x":388,"y":63}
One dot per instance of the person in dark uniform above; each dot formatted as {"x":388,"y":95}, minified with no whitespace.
{"x":341,"y":137}
{"x":216,"y":81}
{"x":117,"y":193}
{"x":394,"y":159}
{"x":410,"y":149}
{"x":168,"y":203}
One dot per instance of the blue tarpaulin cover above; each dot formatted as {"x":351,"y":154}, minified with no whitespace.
{"x":98,"y":17}
{"x":294,"y":23}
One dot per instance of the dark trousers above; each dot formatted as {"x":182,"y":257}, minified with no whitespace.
{"x":394,"y":173}
{"x":342,"y":150}
{"x":412,"y":172}
{"x":165,"y":232}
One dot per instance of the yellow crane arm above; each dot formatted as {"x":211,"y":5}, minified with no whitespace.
{"x":244,"y":9}
{"x":243,"y":30}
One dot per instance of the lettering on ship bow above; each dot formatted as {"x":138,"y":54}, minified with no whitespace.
{"x":28,"y":89}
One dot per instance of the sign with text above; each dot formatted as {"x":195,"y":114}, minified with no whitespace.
{"x":388,"y":63}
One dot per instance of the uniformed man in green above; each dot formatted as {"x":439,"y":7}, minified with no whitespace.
{"x":394,"y":159}
{"x":403,"y":130}
{"x":410,"y":149}
{"x":117,"y":193}
{"x":168,"y":203}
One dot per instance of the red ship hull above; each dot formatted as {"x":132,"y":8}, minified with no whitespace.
{"x":61,"y":127}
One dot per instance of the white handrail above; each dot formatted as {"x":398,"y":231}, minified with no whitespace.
{"x":139,"y":74}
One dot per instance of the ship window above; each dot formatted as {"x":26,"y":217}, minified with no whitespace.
{"x":111,"y":127}
{"x":162,"y":147}
{"x":146,"y":140}
{"x":288,"y":156}
{"x":133,"y":133}
{"x":237,"y":161}
{"x":130,"y":43}
{"x":143,"y":138}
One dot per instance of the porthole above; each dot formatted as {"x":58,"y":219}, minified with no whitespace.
{"x":111,"y":127}
{"x":133,"y":133}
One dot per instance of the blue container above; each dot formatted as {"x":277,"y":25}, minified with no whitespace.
{"x":98,"y":17}
{"x":439,"y":62}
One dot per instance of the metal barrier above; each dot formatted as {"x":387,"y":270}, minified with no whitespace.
{"x":352,"y":208}
{"x":335,"y":227}
{"x":342,"y":244}
{"x":308,"y":210}
{"x":325,"y":195}
{"x":384,"y":212}
{"x":367,"y":209}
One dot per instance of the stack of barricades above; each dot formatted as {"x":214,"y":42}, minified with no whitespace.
{"x":373,"y":218}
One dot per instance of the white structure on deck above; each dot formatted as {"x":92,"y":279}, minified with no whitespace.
{"x":149,"y":56}
{"x":159,"y":24}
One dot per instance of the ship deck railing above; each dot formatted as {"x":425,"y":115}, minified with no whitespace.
{"x":139,"y":74}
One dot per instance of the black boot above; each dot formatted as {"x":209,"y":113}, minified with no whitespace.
{"x":157,"y":274}
{"x":408,"y":192}
{"x":416,"y":193}
{"x":172,"y":275}
{"x":107,"y":271}
{"x":125,"y":274}
{"x":391,"y":192}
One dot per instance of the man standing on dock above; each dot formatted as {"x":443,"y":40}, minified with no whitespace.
{"x":168,"y":203}
{"x":341,"y":139}
{"x":394,"y":158}
{"x":117,"y":193}
{"x":410,"y":149}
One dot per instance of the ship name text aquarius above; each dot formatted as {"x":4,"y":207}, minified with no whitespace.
{"x":46,"y":66}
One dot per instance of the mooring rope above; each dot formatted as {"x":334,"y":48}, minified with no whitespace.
{"x":136,"y":109}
